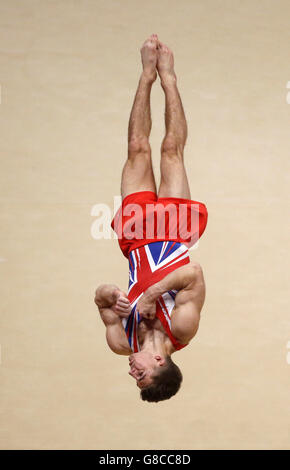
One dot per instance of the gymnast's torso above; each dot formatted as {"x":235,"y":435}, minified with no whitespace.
{"x":149,"y":264}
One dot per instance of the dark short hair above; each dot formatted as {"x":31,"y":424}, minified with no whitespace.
{"x":165,"y":384}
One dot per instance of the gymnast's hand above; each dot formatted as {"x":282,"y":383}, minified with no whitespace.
{"x":146,"y":307}
{"x":121,"y":306}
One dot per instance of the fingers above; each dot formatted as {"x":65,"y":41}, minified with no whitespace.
{"x":123,"y":306}
{"x":123,"y":314}
{"x":123,"y":301}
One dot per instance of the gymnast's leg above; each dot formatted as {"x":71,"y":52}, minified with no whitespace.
{"x":138,"y":172}
{"x":174,"y":182}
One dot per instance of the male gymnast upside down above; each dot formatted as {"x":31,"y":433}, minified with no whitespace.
{"x":160,"y":313}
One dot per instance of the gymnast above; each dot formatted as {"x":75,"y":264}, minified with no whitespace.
{"x":160,"y":312}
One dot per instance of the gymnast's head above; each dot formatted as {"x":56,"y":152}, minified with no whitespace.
{"x":157,"y":377}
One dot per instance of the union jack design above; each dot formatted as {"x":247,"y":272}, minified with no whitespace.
{"x":149,"y":264}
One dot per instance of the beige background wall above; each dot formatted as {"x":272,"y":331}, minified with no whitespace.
{"x":68,"y":75}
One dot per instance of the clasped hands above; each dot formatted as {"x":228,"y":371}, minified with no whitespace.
{"x":122,"y":306}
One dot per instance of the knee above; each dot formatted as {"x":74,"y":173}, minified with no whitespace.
{"x":138,"y":146}
{"x":171,"y":149}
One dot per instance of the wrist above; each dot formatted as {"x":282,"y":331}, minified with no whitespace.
{"x":152,"y":293}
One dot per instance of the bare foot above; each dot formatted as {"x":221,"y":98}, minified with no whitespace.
{"x":149,"y":57}
{"x":165,"y":63}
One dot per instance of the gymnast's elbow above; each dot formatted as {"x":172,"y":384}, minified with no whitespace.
{"x":196,"y":267}
{"x":98,"y":295}
{"x":194,"y":272}
{"x":97,"y":298}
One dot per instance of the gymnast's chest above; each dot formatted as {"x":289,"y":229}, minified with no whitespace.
{"x":148,"y":326}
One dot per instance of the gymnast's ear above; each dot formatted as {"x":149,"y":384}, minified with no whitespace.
{"x":161,"y":360}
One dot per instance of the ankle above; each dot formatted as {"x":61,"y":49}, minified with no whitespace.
{"x":148,"y":77}
{"x":168,"y":79}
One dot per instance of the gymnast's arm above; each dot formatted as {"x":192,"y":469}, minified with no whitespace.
{"x":109,"y":296}
{"x":113,"y":304}
{"x":189,"y":300}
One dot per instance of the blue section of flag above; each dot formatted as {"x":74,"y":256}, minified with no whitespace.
{"x":131,"y":270}
{"x":173,"y":294}
{"x":131,"y":265}
{"x":155,"y":250}
{"x":129,"y":327}
{"x":171,"y":248}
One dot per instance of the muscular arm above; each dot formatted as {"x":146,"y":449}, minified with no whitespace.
{"x":106,"y":298}
{"x":189,"y":282}
{"x":110,"y":297}
{"x":105,"y":295}
{"x":179,"y":279}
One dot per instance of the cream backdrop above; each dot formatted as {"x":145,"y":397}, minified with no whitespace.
{"x":68,"y":75}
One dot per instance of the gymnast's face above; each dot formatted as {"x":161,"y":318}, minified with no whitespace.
{"x":143,"y":365}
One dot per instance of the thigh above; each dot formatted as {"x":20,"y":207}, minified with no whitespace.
{"x":138,"y":174}
{"x":173,"y":182}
